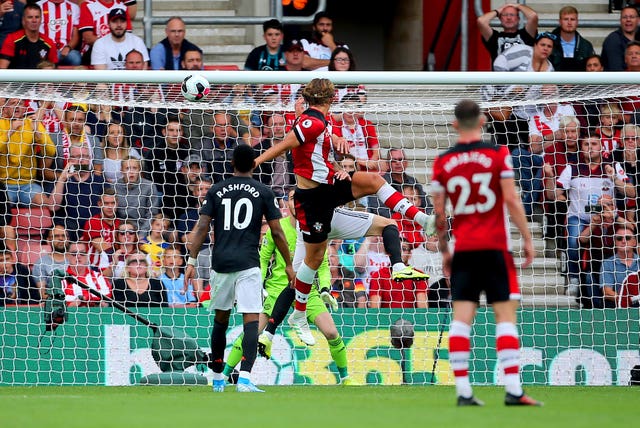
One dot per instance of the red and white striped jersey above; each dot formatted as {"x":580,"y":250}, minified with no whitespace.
{"x":312,"y":158}
{"x":95,"y":228}
{"x":93,"y":279}
{"x":94,"y":16}
{"x":58,"y":20}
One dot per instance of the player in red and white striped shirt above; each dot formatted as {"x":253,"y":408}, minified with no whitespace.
{"x":319,"y":190}
{"x":60,"y":20}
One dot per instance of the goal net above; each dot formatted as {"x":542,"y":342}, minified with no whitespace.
{"x":102,"y":175}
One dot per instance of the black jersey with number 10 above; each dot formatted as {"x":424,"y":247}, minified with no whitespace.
{"x":237,"y":206}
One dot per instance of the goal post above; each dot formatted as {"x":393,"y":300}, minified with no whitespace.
{"x":397,"y":122}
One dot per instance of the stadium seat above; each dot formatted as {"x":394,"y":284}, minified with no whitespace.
{"x":231,"y":67}
{"x":31,"y":221}
{"x":30,"y":250}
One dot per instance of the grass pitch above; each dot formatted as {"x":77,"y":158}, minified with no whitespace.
{"x":311,"y":406}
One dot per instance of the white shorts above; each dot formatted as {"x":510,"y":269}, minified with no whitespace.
{"x":345,"y":224}
{"x":243,"y":287}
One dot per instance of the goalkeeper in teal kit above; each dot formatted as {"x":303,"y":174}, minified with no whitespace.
{"x":317,"y":312}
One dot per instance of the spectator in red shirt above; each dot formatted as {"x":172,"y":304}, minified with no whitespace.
{"x":79,"y":267}
{"x":27,"y":47}
{"x":385,"y":292}
{"x":100,"y":230}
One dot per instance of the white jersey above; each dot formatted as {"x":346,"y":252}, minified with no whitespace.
{"x":345,"y":224}
{"x":112,"y":54}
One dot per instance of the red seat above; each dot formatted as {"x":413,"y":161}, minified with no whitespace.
{"x":30,"y":250}
{"x":231,"y":67}
{"x":31,"y":221}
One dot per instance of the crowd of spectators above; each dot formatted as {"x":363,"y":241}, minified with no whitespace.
{"x":124,"y":183}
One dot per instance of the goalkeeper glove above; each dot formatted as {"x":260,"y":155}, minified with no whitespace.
{"x":328,"y":299}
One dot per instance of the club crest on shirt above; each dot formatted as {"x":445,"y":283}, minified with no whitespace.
{"x":306,"y":123}
{"x":318,"y":226}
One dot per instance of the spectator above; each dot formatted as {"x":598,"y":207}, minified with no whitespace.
{"x":192,"y":59}
{"x":138,"y":198}
{"x":528,"y":158}
{"x":632,"y":56}
{"x":137,"y":288}
{"x":594,"y":63}
{"x":25,"y":48}
{"x":614,"y":45}
{"x":173,"y":280}
{"x":596,"y":244}
{"x":397,"y":176}
{"x":109,"y":52}
{"x":116,"y":149}
{"x":583,"y":184}
{"x":270,"y":56}
{"x":496,"y":41}
{"x":277,"y":173}
{"x":74,"y":132}
{"x":360,"y":133}
{"x":43,"y":268}
{"x":615,"y":269}
{"x":629,"y":156}
{"x":60,"y":24}
{"x":100,"y":231}
{"x":16,"y":285}
{"x":570,"y":50}
{"x":318,"y":49}
{"x":94,"y":21}
{"x":342,"y":60}
{"x":285,"y":93}
{"x":77,"y":191}
{"x":608,"y":129}
{"x":385,"y":292}
{"x":26,"y":152}
{"x":186,"y":223}
{"x":556,"y":158}
{"x":168,"y":54}
{"x":247,"y":123}
{"x":222,"y":147}
{"x":164,"y":166}
{"x":127,"y":243}
{"x":510,"y":127}
{"x":155,"y":242}
{"x":78,"y":267}
{"x":10,"y":17}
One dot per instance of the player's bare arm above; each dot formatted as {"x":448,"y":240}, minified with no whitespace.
{"x":290,"y":141}
{"x":439,"y":208}
{"x":283,"y":246}
{"x":516,"y":211}
{"x":340,"y":144}
{"x":196,"y":239}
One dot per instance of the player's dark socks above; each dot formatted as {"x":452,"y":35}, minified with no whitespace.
{"x":280,"y":309}
{"x":523,"y":400}
{"x":218,"y":345}
{"x":249,"y":346}
{"x":391,"y":241}
{"x":471,"y":401}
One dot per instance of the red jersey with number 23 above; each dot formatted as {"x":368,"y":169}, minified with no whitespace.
{"x":470,"y":176}
{"x":311,"y":159}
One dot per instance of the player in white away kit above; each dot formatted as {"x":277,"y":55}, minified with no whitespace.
{"x":477,"y":178}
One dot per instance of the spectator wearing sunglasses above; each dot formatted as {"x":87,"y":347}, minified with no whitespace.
{"x":616,"y":268}
{"x":570,"y":49}
{"x":613,"y":47}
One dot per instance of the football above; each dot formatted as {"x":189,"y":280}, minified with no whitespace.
{"x":195,"y":87}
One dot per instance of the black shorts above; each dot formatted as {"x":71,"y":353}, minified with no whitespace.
{"x":491,"y":271}
{"x":314,"y":208}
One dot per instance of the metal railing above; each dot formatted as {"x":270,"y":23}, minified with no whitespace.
{"x":149,"y":20}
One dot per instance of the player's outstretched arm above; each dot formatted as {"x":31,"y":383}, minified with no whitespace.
{"x":194,"y":242}
{"x":283,"y":246}
{"x":516,"y":211}
{"x":290,"y":141}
